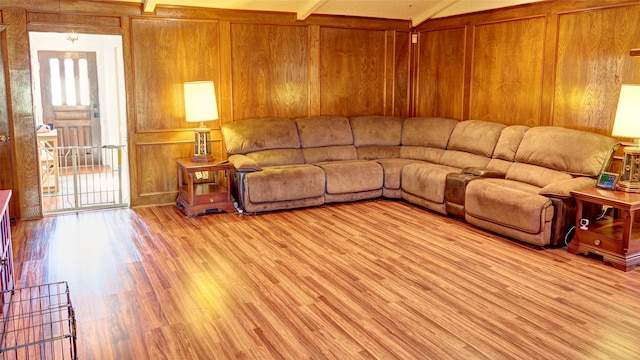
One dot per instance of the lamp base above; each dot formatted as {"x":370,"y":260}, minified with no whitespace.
{"x":202,"y":158}
{"x":202,"y":145}
{"x":630,"y":177}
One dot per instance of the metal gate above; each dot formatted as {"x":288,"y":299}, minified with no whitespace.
{"x":82,"y":177}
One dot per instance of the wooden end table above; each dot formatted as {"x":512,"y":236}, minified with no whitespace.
{"x":206,"y":188}
{"x":615,"y":238}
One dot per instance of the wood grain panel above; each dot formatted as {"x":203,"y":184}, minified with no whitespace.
{"x":21,"y":117}
{"x":592,"y":63}
{"x":6,"y":159}
{"x":270,"y":71}
{"x":507,"y":71}
{"x":157,"y":170}
{"x":401,"y":75}
{"x":167,"y":53}
{"x":314,"y":70}
{"x":352,"y":72}
{"x":57,"y":18}
{"x":440,"y":73}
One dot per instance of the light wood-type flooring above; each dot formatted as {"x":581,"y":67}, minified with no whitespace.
{"x":369,"y":280}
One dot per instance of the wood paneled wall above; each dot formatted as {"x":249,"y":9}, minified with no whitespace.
{"x":552,"y":63}
{"x":263,"y":65}
{"x":270,"y":71}
{"x":278,"y":69}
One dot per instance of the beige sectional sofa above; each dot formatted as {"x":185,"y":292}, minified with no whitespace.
{"x":512,"y":180}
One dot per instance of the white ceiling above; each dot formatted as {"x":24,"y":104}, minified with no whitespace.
{"x":415,"y":10}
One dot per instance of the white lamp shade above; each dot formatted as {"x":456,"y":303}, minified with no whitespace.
{"x":627,"y":121}
{"x":200,"y":101}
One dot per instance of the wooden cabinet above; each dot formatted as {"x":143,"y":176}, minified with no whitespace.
{"x":6,"y":258}
{"x":616,"y":238}
{"x":203,"y":187}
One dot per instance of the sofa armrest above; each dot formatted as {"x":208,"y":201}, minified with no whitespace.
{"x":243,"y":163}
{"x":483,"y":172}
{"x":562,"y":189}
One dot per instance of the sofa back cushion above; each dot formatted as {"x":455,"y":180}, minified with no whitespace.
{"x":572,"y":151}
{"x":376,"y":130}
{"x":427,"y":131}
{"x":374,"y":152}
{"x":324,"y":131}
{"x":277,"y":157}
{"x":509,"y":141}
{"x":423,"y":153}
{"x":329,"y":153}
{"x":326,"y":138}
{"x":462,"y":159}
{"x":535,"y":175}
{"x":245,"y":136}
{"x":476,"y":137}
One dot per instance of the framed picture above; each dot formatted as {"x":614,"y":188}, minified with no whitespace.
{"x":608,"y":180}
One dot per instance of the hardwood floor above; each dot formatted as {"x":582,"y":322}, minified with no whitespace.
{"x":378,"y":279}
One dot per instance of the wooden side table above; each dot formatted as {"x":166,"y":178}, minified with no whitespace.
{"x":203,"y":187}
{"x":616,"y":239}
{"x":48,"y":156}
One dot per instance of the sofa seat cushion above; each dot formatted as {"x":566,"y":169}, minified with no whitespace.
{"x":282,"y":183}
{"x":393,"y":171}
{"x":426,"y":181}
{"x":508,"y":203}
{"x":352,"y":176}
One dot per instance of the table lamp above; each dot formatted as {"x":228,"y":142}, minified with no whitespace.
{"x":627,"y":125}
{"x":200,"y":106}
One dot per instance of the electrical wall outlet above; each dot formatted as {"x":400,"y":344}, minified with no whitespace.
{"x":198,"y":175}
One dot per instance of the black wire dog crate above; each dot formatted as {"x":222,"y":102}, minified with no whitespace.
{"x":39,"y":324}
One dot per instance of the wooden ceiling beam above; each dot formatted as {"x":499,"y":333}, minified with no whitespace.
{"x":149,"y":6}
{"x":309,"y":8}
{"x":439,"y":7}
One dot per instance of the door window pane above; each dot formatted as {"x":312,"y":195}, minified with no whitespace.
{"x":56,"y":96}
{"x":69,"y":82}
{"x":84,"y":81}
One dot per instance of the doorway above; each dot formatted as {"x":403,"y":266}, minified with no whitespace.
{"x":80,"y":109}
{"x":69,"y":94}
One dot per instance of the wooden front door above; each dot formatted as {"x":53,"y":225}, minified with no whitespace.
{"x":69,"y":84}
{"x":6,"y":175}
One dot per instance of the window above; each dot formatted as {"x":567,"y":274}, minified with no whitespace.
{"x":72,"y":86}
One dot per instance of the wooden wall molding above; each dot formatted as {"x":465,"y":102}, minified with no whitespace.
{"x":50,"y":18}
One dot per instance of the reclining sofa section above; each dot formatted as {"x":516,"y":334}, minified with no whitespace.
{"x":512,"y":180}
